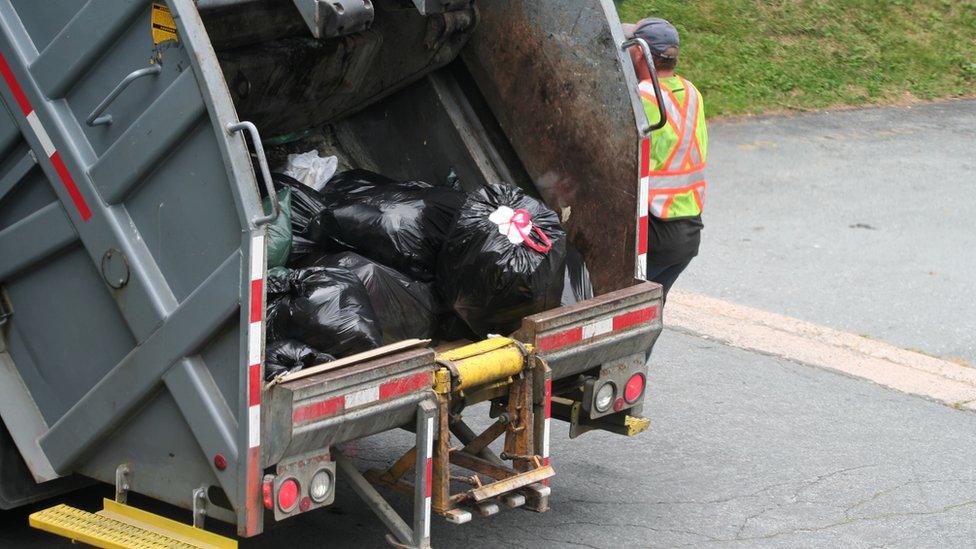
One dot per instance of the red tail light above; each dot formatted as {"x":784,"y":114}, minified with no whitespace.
{"x":634,"y":388}
{"x":288,"y":495}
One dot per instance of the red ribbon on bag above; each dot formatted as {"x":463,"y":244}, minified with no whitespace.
{"x":521,"y":219}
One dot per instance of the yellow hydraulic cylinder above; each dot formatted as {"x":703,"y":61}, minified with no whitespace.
{"x":490,"y":360}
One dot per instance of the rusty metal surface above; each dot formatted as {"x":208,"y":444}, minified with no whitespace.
{"x":590,"y":353}
{"x":483,"y":466}
{"x":519,"y":432}
{"x":441,"y":483}
{"x":600,"y":305}
{"x":512,"y":483}
{"x":566,"y":98}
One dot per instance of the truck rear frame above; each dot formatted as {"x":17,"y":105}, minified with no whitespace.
{"x":132,"y":237}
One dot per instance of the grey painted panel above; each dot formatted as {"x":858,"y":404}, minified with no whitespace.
{"x":44,"y":25}
{"x":126,"y":386}
{"x":146,"y":300}
{"x":19,"y":166}
{"x":83,"y":40}
{"x":133,"y":50}
{"x":160,"y":128}
{"x":28,"y":196}
{"x":9,"y":132}
{"x":33,"y":239}
{"x":75,"y":347}
{"x":185,"y":213}
{"x":187,"y":205}
{"x":206,"y":412}
{"x":221,"y":355}
{"x":41,"y":390}
{"x":167,"y":466}
{"x":22,"y":418}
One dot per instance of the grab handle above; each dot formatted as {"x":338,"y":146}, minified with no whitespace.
{"x":96,"y":118}
{"x":251,"y":129}
{"x":654,"y":81}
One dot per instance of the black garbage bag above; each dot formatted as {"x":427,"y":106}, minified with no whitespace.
{"x":576,"y":283}
{"x":405,"y":308}
{"x":399,"y":224}
{"x":451,"y":328}
{"x":503,"y":260}
{"x":288,"y":355}
{"x":304,"y":203}
{"x":279,"y":230}
{"x":329,"y":310}
{"x":277,"y":315}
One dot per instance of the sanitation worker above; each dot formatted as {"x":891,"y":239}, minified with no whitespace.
{"x":676,"y":189}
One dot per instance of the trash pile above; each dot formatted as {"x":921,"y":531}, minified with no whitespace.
{"x":362,"y":260}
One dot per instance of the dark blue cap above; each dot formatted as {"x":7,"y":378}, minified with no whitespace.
{"x":659,"y":34}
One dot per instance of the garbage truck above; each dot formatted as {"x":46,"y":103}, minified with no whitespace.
{"x":136,"y":143}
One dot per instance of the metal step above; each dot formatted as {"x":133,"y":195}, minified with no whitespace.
{"x":119,"y":526}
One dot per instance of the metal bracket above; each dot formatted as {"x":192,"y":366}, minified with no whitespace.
{"x":199,"y":507}
{"x":122,"y":473}
{"x":333,"y":18}
{"x":579,"y":421}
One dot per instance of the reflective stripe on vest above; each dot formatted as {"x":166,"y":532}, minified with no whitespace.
{"x":677,"y":189}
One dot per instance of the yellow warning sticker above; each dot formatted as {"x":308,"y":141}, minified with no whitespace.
{"x":163,"y":26}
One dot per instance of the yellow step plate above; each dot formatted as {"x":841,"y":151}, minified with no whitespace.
{"x":119,"y":526}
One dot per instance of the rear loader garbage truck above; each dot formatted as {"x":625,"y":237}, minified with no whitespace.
{"x":135,"y":140}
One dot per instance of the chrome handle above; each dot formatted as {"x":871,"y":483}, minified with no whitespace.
{"x":96,"y":118}
{"x":251,"y":129}
{"x":654,"y":81}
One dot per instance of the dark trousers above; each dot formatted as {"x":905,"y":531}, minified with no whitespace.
{"x":665,"y":275}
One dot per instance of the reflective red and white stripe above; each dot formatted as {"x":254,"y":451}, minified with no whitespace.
{"x":428,"y":484}
{"x":81,"y":205}
{"x":255,"y":348}
{"x":321,"y":409}
{"x":547,"y":411}
{"x":596,"y":328}
{"x":642,"y":207}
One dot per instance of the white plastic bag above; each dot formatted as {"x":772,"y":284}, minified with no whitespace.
{"x":311,"y":169}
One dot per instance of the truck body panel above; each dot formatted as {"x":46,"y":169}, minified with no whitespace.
{"x":132,"y":238}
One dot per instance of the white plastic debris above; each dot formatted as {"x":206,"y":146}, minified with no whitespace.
{"x":311,"y":169}
{"x":514,"y":224}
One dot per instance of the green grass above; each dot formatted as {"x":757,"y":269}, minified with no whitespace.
{"x":754,"y":56}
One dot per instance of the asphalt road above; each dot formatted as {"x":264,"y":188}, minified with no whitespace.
{"x":746,"y":449}
{"x":861,"y":220}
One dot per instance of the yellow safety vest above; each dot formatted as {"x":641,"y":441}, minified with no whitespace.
{"x":675,"y":173}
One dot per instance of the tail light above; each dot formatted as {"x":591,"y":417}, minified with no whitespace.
{"x":634,"y":388}
{"x":619,"y":385}
{"x":604,"y":396}
{"x":320,"y":486}
{"x":288,"y":492}
{"x":300,"y":485}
